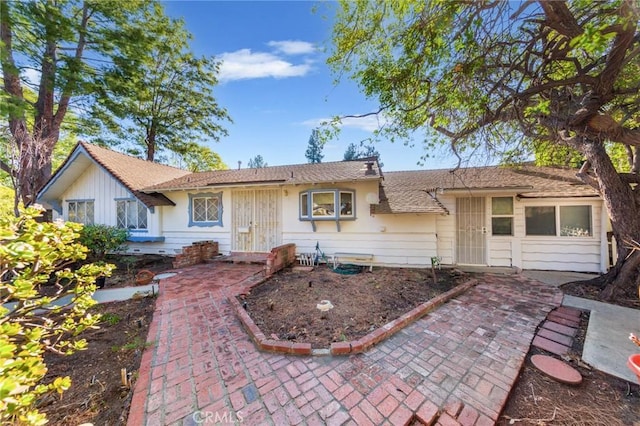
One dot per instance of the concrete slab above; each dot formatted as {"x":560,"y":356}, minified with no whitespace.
{"x":607,"y":346}
{"x":556,"y":278}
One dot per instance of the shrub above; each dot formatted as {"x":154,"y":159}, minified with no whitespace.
{"x":33,"y":254}
{"x":102,"y":239}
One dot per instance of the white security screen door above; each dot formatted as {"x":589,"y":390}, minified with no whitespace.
{"x":256,"y":223}
{"x":470,"y":221}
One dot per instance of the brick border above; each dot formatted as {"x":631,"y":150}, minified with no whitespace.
{"x":344,"y":348}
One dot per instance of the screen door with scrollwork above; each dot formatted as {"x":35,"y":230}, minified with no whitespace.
{"x":256,"y":220}
{"x":471,"y":229}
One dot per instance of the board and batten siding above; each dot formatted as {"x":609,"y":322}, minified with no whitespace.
{"x":96,"y":185}
{"x":393,"y":239}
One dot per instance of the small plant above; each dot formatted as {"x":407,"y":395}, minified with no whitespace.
{"x":111,"y":319}
{"x":137,"y":344}
{"x":103,"y":239}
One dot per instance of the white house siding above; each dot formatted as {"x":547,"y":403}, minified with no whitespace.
{"x":581,"y":254}
{"x":97,"y":185}
{"x":394,"y":240}
{"x":446,"y":231}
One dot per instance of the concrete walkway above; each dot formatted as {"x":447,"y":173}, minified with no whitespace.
{"x":455,"y":365}
{"x":606,"y":345}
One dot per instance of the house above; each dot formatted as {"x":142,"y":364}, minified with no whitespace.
{"x":526,"y":217}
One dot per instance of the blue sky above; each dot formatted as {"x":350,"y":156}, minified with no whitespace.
{"x":276,"y":85}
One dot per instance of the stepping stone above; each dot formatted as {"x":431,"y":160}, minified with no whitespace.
{"x":557,"y":370}
{"x":564,"y":321}
{"x":550,"y":345}
{"x":556,"y":337}
{"x":576,"y":313}
{"x":559,"y":328}
{"x":563,"y":314}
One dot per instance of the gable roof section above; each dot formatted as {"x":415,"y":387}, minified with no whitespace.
{"x":132,"y":173}
{"x":318,"y":173}
{"x":417,"y":191}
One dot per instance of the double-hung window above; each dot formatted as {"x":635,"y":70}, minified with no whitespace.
{"x":205,"y":209}
{"x":502,"y":216}
{"x":563,"y":221}
{"x":81,"y":212}
{"x":131,"y":214}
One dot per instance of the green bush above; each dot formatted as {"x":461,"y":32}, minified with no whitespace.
{"x":33,"y":254}
{"x":103,"y":239}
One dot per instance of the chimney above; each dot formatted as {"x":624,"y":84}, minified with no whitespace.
{"x":369,"y":170}
{"x":239,"y":164}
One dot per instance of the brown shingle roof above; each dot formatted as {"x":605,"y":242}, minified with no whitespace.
{"x":135,"y":173}
{"x":409,"y":191}
{"x":338,"y":171}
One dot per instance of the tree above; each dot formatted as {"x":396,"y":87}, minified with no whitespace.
{"x":33,"y":254}
{"x":353,"y":152}
{"x":257,"y":162}
{"x":314,"y":148}
{"x":159,"y":95}
{"x":64,"y":44}
{"x":509,"y":77}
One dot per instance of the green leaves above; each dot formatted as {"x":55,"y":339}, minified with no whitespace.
{"x":33,"y":254}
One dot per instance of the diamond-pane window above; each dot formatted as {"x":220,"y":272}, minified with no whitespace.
{"x":131,"y":214}
{"x":81,"y":212}
{"x":205,"y":209}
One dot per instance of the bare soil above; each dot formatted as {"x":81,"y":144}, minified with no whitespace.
{"x":98,"y":396}
{"x":286,"y":305}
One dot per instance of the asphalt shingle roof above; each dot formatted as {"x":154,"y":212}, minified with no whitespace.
{"x":337,"y":171}
{"x":414,"y":191}
{"x":135,"y":173}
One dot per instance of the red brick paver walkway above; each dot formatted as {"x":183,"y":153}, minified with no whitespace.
{"x":456,"y":365}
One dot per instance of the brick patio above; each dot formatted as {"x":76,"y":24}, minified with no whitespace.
{"x":456,"y":365}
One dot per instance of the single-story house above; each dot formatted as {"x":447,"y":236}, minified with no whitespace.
{"x":526,"y":217}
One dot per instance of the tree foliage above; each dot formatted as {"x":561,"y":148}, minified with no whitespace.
{"x":353,"y":152}
{"x":257,"y":162}
{"x":56,"y":49}
{"x":157,"y":94}
{"x":509,"y":78}
{"x":33,"y":254}
{"x":314,"y":148}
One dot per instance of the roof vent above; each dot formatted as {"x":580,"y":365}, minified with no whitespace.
{"x":369,"y":170}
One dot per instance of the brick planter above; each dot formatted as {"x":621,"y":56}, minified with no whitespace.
{"x":197,"y":252}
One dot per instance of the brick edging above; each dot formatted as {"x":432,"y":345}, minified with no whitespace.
{"x":351,"y":347}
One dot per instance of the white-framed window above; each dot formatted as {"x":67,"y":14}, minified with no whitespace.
{"x":205,"y":209}
{"x":327,"y":204}
{"x":563,"y":221}
{"x":131,"y":214}
{"x":501,"y":216}
{"x":81,"y":211}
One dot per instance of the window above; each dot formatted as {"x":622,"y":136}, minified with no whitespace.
{"x":502,"y":216}
{"x":131,"y":214}
{"x":574,"y":221}
{"x":205,"y":209}
{"x":326,"y":204}
{"x":81,"y":212}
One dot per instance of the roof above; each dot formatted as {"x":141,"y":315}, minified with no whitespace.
{"x":330,"y":172}
{"x":417,"y":191}
{"x":133,"y":173}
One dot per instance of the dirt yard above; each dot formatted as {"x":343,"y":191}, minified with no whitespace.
{"x":286,"y":305}
{"x":97,"y":394}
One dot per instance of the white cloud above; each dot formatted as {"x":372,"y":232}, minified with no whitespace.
{"x":369,"y":123}
{"x":292,"y":47}
{"x":244,"y":64}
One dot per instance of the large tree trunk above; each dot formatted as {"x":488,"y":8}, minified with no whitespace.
{"x":623,"y":207}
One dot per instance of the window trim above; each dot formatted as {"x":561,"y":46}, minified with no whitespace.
{"x":138,"y":202}
{"x":82,"y":200}
{"x":208,"y":223}
{"x":336,"y":203}
{"x":557,"y":208}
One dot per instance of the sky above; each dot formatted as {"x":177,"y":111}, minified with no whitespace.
{"x":276,"y":85}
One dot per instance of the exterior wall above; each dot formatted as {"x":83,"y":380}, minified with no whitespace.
{"x":581,"y":254}
{"x":97,"y":185}
{"x":394,"y":240}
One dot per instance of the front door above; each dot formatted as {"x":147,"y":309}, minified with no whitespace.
{"x":256,"y":220}
{"x":470,"y":221}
